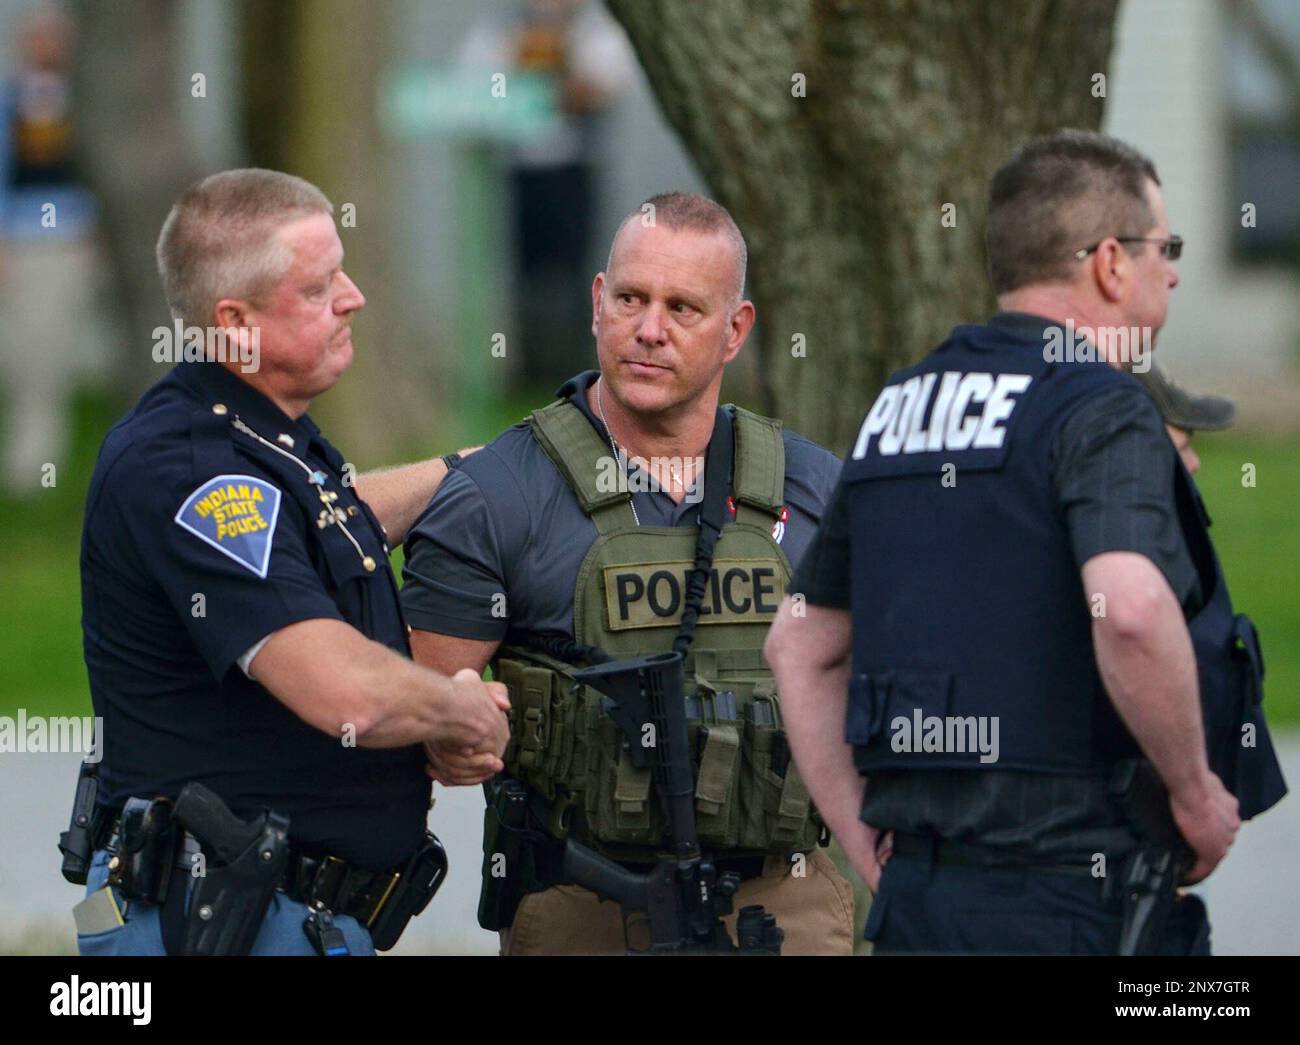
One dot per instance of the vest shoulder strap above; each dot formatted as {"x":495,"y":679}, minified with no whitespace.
{"x":758,"y":478}
{"x":577,"y":452}
{"x":576,"y":449}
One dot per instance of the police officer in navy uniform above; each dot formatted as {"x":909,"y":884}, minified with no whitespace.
{"x":242,"y":624}
{"x":576,"y":528}
{"x":1014,"y":601}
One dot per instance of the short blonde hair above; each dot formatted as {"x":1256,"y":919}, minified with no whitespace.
{"x":219,"y":241}
{"x":687,"y":212}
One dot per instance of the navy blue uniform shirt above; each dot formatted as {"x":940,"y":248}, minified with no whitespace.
{"x":499,"y":547}
{"x":199,"y":542}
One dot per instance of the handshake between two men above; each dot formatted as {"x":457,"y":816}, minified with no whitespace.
{"x":469,"y":748}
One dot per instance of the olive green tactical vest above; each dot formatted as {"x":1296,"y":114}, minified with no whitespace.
{"x":628,"y":601}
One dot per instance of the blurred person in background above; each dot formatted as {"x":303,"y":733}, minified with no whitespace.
{"x":1185,"y":414}
{"x":581,"y":51}
{"x":47,"y":257}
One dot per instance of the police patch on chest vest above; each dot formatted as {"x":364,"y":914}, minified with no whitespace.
{"x":651,"y":594}
{"x":236,"y":515}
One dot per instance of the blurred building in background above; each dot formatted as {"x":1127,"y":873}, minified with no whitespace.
{"x":1209,"y":90}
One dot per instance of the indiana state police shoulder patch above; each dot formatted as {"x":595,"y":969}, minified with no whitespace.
{"x":236,"y":515}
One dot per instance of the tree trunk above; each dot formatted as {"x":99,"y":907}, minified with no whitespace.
{"x":310,"y":109}
{"x":841,"y":193}
{"x":135,"y":154}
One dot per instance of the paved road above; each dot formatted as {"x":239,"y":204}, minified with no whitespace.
{"x":1252,"y":904}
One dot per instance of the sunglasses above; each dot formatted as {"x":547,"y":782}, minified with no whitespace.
{"x":1171,"y":248}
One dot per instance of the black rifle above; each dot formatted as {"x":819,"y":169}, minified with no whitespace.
{"x":1151,"y":875}
{"x":683,"y":896}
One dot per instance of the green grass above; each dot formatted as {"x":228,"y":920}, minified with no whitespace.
{"x":1257,"y":531}
{"x":41,"y":666}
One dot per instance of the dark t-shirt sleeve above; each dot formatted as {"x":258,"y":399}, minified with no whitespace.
{"x":224,"y":605}
{"x":454,"y":579}
{"x":1114,"y":469}
{"x":822,"y":575}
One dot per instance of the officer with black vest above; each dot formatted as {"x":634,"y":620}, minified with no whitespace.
{"x":1016,"y":629}
{"x":572,"y":538}
{"x":262,"y":787}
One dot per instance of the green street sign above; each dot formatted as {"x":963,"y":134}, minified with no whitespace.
{"x":454,"y":101}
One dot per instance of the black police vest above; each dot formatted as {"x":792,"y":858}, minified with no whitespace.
{"x":1230,"y":666}
{"x":986,"y":619}
{"x":972,"y":636}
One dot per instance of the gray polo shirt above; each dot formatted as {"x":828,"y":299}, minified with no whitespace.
{"x":499,"y":547}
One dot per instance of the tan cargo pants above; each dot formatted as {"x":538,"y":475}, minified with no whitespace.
{"x":815,"y":910}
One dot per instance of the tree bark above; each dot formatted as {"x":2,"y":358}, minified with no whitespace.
{"x":310,"y":109}
{"x":841,"y":193}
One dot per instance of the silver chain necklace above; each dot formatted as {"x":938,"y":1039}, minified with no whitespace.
{"x":618,"y":456}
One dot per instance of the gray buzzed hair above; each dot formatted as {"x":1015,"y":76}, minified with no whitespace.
{"x":687,"y":212}
{"x":1058,"y":194}
{"x":219,"y":241}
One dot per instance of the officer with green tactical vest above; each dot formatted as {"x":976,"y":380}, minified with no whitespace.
{"x":634,"y":516}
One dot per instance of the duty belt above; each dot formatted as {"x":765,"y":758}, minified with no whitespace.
{"x":948,"y":851}
{"x":319,"y":882}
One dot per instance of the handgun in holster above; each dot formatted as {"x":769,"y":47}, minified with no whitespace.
{"x":245,"y":862}
{"x":1151,"y":874}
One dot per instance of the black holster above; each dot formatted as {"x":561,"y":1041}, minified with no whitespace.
{"x":245,"y":861}
{"x":422,"y":876}
{"x":518,"y":857}
{"x":149,"y":841}
{"x":1150,"y":876}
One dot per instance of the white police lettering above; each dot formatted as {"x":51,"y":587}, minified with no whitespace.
{"x":898,"y":416}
